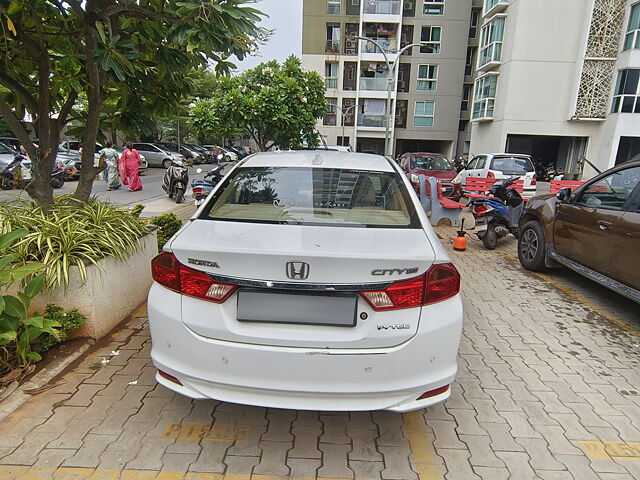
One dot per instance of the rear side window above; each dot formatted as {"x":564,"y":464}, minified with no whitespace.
{"x":430,"y":163}
{"x":512,"y":165}
{"x":314,"y":196}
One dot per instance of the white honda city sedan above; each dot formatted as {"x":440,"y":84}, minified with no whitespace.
{"x":308,"y":280}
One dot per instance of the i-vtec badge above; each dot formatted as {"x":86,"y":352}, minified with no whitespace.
{"x":203,"y":263}
{"x":403,"y":326}
{"x":394,"y":271}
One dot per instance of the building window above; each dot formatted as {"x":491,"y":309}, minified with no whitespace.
{"x":433,"y":37}
{"x":406,"y":38}
{"x":333,"y":38}
{"x":351,"y":31}
{"x":404,"y":74}
{"x":402,"y":108}
{"x":427,"y":77}
{"x":349,"y":112}
{"x":491,"y":42}
{"x":484,"y":97}
{"x":626,"y":96}
{"x":330,"y":115}
{"x":344,"y":141}
{"x":468,"y":66}
{"x":462,"y":125}
{"x":349,"y":76}
{"x":433,"y":7}
{"x":331,"y":75}
{"x":423,"y":114}
{"x":632,"y":40}
{"x":466,"y":93}
{"x":333,"y":7}
{"x":473,"y":24}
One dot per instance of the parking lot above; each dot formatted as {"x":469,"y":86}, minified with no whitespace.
{"x":548,"y":387}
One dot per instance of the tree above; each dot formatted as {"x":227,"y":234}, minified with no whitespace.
{"x":274,"y":104}
{"x":133,"y":51}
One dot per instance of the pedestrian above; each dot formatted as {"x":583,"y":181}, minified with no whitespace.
{"x":110,"y":156}
{"x":129,"y":168}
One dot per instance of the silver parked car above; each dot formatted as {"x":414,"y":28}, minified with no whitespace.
{"x":157,"y":156}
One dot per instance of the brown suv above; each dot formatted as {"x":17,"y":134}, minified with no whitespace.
{"x":594,"y":230}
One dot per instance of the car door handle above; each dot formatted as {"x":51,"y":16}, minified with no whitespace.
{"x":605,"y":225}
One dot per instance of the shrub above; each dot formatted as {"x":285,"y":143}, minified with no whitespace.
{"x":67,"y":236}
{"x":168,"y":224}
{"x":136,"y":211}
{"x":68,"y":320}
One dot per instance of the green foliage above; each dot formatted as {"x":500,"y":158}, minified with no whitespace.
{"x":137,"y":210}
{"x":277,"y":104}
{"x":168,"y":224}
{"x":18,"y":331}
{"x":68,"y":320}
{"x":67,"y":236}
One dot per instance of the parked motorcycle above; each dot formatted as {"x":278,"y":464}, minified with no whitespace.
{"x":497,"y":215}
{"x":15,"y":175}
{"x":57,"y":175}
{"x":175,"y":180}
{"x":202,"y":188}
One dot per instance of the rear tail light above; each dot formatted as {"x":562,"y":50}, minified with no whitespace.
{"x":534,"y":179}
{"x":168,"y":272}
{"x":480,"y":210}
{"x":491,"y":175}
{"x":442,"y":281}
{"x":197,"y":191}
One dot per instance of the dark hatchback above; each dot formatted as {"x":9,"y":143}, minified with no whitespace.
{"x":594,"y":230}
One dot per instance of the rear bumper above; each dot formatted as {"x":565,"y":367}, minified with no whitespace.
{"x":307,"y":378}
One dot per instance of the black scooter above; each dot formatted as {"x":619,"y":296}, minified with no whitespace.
{"x":14,"y":175}
{"x":175,"y":180}
{"x":202,"y":188}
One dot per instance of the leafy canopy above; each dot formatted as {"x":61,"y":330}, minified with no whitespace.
{"x":276,"y":104}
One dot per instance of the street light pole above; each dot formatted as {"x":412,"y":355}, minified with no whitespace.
{"x":388,"y":147}
{"x":344,"y":112}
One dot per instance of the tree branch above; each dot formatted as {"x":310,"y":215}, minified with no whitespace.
{"x":67,"y":106}
{"x":77,"y":8}
{"x":16,"y":127}
{"x":14,"y":85}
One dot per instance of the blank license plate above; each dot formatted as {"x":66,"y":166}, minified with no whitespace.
{"x":338,"y":310}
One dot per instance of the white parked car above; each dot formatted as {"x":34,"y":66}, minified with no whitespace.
{"x":308,"y":280}
{"x":501,"y":165}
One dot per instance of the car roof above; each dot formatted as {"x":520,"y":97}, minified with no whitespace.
{"x":319,"y":159}
{"x":425,"y":154}
{"x":521,"y":155}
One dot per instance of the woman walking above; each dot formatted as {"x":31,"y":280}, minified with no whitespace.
{"x":129,"y":168}
{"x":110,"y":156}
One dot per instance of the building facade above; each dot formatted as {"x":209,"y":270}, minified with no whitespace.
{"x":431,"y":84}
{"x":559,"y":80}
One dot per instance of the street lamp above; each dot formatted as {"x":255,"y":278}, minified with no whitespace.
{"x":391,"y":66}
{"x":344,"y":112}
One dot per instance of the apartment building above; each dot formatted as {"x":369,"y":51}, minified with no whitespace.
{"x":431,"y":84}
{"x":559,"y":80}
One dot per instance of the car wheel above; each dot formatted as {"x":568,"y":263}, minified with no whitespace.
{"x":532,"y":247}
{"x":490,"y":238}
{"x":166,"y":163}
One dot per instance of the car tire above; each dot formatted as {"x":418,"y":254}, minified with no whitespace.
{"x":166,"y":163}
{"x":490,"y":238}
{"x":532,"y":246}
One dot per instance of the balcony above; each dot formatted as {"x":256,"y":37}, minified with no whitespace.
{"x":332,"y":46}
{"x":374,"y":84}
{"x":376,"y":121}
{"x":386,"y":43}
{"x":490,"y":57}
{"x":331,"y":82}
{"x":382,"y":7}
{"x":491,"y":7}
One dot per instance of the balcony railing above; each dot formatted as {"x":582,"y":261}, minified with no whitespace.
{"x":331,"y":82}
{"x":375,"y":84}
{"x":365,"y":120}
{"x":386,"y":43}
{"x":332,"y":46}
{"x":382,"y":7}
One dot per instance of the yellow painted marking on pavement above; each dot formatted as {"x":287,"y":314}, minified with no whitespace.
{"x":11,"y":472}
{"x":195,"y":432}
{"x":620,"y":451}
{"x":142,"y":309}
{"x":582,"y":299}
{"x":424,"y":456}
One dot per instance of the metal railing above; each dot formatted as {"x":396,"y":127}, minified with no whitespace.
{"x":365,"y":120}
{"x":375,"y":84}
{"x":331,"y":82}
{"x":386,"y":43}
{"x":382,"y":7}
{"x":332,"y":46}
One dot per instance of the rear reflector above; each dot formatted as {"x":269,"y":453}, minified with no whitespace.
{"x":442,"y":281}
{"x":480,"y":210}
{"x":171,"y":378}
{"x":168,"y":272}
{"x":491,"y":175}
{"x":433,"y":393}
{"x":197,"y":191}
{"x":534,"y":180}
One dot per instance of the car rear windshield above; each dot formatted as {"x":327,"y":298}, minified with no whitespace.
{"x":430,"y":163}
{"x":314,"y":196}
{"x":512,"y":165}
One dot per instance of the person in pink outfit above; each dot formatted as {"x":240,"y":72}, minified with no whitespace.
{"x":129,"y":168}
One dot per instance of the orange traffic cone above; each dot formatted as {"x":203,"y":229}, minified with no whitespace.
{"x":460,"y":242}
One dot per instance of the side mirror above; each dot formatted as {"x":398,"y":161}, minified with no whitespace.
{"x":564,"y":195}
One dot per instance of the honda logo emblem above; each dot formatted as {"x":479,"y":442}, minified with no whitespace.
{"x":297,"y":270}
